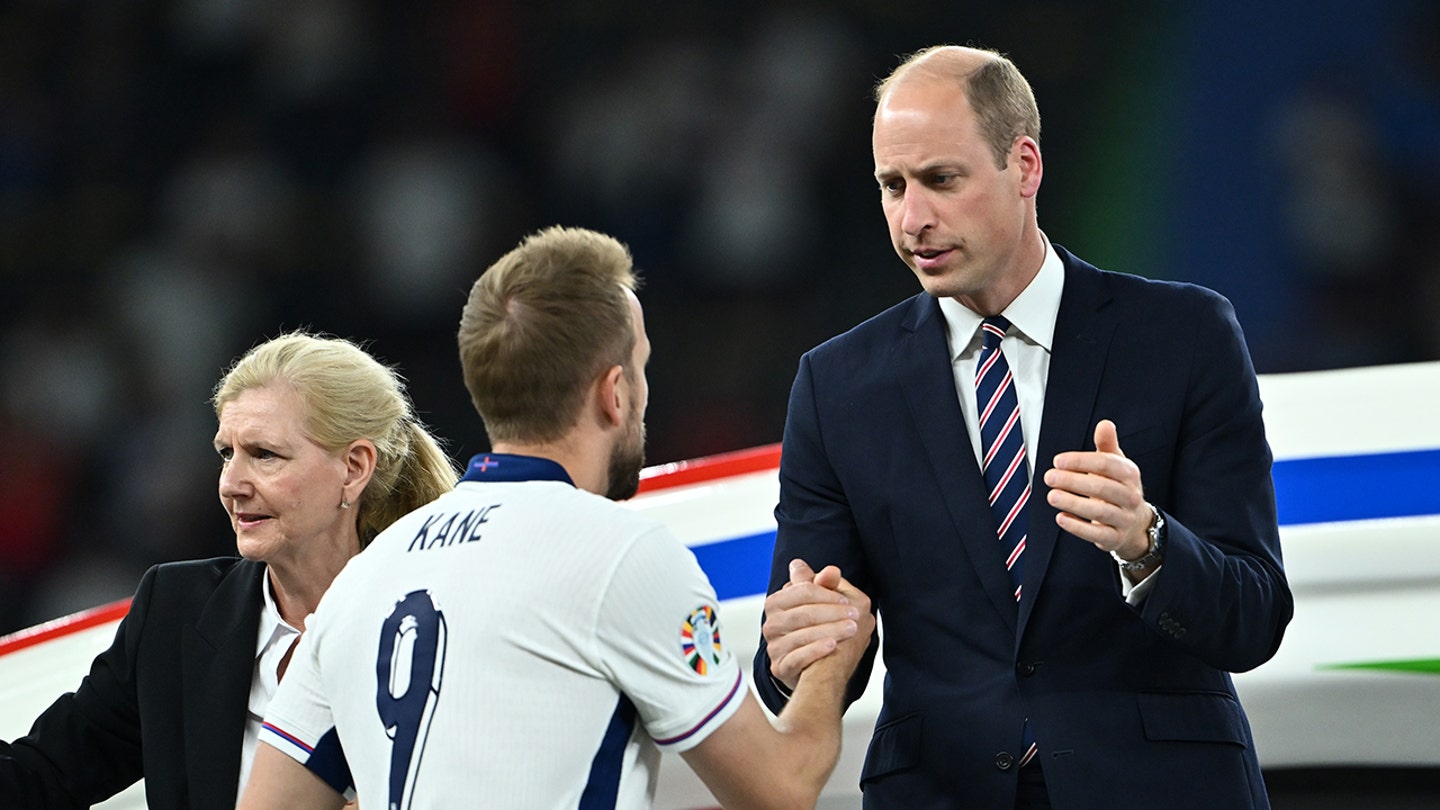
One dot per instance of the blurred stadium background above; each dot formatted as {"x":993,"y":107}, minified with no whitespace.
{"x":182,"y":178}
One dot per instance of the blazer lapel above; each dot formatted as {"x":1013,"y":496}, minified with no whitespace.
{"x":923,"y":366}
{"x":217,"y":659}
{"x":1083,"y":330}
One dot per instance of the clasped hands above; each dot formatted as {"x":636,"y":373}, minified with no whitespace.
{"x":1100,"y":500}
{"x":814,"y":615}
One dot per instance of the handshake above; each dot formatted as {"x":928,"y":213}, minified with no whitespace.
{"x":814,"y":615}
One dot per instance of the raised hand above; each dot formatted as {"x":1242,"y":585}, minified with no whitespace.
{"x":1100,"y":496}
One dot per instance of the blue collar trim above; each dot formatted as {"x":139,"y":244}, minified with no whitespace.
{"x":508,"y":467}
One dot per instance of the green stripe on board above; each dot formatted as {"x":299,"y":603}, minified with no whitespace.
{"x":1425,"y":666}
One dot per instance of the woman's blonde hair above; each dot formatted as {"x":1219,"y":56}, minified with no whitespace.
{"x":347,"y":394}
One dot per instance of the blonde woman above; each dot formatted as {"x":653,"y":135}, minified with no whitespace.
{"x":319,"y":451}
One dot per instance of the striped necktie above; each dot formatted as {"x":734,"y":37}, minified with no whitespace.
{"x":1007,"y":475}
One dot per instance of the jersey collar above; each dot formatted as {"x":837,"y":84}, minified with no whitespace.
{"x":509,"y":467}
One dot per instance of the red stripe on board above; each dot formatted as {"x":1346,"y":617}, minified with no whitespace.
{"x":64,"y":626}
{"x":709,"y":468}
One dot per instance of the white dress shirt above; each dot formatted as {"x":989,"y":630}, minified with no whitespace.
{"x":1027,"y":351}
{"x":272,"y":642}
{"x":1026,"y":346}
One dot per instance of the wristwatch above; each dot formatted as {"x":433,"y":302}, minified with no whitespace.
{"x":1155,"y":553}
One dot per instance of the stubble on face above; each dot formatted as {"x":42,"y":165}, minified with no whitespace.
{"x":627,"y":456}
{"x":627,"y":459}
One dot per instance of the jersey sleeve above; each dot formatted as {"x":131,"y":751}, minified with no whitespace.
{"x":299,"y":721}
{"x":659,"y":637}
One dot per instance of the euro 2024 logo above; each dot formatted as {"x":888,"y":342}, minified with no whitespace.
{"x":700,"y":639}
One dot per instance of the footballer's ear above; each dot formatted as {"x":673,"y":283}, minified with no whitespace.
{"x":610,"y":396}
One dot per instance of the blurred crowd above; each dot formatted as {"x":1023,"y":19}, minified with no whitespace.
{"x":180,"y":179}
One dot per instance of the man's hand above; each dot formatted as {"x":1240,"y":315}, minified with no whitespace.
{"x":1100,"y":496}
{"x":809,"y":617}
{"x":840,"y":663}
{"x":755,"y":761}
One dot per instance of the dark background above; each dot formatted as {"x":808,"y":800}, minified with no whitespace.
{"x":180,"y":179}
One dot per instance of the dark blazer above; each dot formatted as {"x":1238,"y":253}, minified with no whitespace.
{"x":166,"y":702}
{"x":1131,"y":707}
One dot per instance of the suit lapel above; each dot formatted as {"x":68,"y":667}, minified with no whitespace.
{"x":217,"y":659}
{"x":1083,"y":329}
{"x":923,"y":364}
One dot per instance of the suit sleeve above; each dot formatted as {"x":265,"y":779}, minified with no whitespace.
{"x":1223,"y":593}
{"x":814,"y":523}
{"x":86,"y":746}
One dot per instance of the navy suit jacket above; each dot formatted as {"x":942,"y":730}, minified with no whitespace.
{"x":1131,"y":707}
{"x":166,"y":702}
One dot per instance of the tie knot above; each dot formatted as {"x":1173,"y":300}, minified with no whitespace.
{"x":992,"y":330}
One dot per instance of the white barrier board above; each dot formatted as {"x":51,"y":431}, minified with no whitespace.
{"x":1355,"y":683}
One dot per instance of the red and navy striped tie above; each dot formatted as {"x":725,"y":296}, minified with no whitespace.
{"x":1007,"y":475}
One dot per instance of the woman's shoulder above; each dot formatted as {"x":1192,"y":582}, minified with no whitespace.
{"x":212,"y":567}
{"x":198,"y":578}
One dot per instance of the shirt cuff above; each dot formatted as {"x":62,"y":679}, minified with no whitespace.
{"x":1135,"y":594}
{"x":780,"y":686}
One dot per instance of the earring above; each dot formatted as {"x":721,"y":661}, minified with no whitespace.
{"x":344,"y":504}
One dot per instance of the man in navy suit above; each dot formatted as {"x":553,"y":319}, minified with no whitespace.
{"x":1063,"y":637}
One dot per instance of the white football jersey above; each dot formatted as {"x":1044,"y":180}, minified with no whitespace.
{"x":516,"y":643}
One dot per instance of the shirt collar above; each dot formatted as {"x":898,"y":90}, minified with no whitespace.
{"x":510,"y":467}
{"x":272,"y":626}
{"x":1032,"y":313}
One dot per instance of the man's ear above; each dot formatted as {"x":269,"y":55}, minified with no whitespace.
{"x":611,"y":394}
{"x":1027,"y":152}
